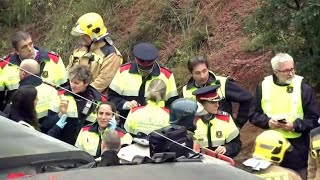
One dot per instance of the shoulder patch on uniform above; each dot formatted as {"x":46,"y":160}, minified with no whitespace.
{"x":53,"y":57}
{"x":61,"y":92}
{"x":166,"y":72}
{"x":224,"y":116}
{"x":125,"y":67}
{"x":86,"y":128}
{"x":136,"y":108}
{"x":4,"y":61}
{"x":166,"y":109}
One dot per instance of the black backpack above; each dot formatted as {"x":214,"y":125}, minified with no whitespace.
{"x":159,"y":144}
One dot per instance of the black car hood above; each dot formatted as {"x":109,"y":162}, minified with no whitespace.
{"x":21,"y":146}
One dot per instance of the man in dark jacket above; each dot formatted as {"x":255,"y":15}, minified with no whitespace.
{"x":286,"y":103}
{"x":229,"y":91}
{"x":110,"y":146}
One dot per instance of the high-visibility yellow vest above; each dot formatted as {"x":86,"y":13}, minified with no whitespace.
{"x":128,"y":84}
{"x":89,"y":139}
{"x":280,"y":102}
{"x":187,"y":93}
{"x":46,"y":96}
{"x":147,"y":118}
{"x":72,"y":111}
{"x":223,"y":130}
{"x":54,"y":71}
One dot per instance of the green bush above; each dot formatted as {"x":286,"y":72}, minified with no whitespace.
{"x":288,"y":26}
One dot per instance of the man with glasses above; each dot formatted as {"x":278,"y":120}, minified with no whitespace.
{"x":284,"y":102}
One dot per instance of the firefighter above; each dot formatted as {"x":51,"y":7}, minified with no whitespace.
{"x":269,"y":150}
{"x":314,"y":155}
{"x":229,"y":91}
{"x":89,"y":138}
{"x":97,"y":51}
{"x":52,"y":69}
{"x":154,"y":115}
{"x":284,"y":102}
{"x":215,"y":129}
{"x":128,"y":87}
{"x":79,"y":106}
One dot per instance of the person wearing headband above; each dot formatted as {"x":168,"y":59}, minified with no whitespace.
{"x":216,"y":129}
{"x":128,"y":88}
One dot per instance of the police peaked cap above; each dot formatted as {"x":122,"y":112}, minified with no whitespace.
{"x":207,"y":93}
{"x":145,"y":52}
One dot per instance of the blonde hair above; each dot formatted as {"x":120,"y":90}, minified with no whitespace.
{"x":280,"y":58}
{"x":157,"y":90}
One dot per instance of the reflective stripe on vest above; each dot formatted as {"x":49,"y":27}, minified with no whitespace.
{"x":9,"y":77}
{"x":221,"y":91}
{"x":46,"y":96}
{"x":127,"y":84}
{"x":89,"y":141}
{"x":72,"y":111}
{"x":147,"y":118}
{"x":277,"y":103}
{"x":54,"y":73}
{"x":222,"y":132}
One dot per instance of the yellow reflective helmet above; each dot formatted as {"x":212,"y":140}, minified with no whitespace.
{"x":90,"y":24}
{"x":271,"y":145}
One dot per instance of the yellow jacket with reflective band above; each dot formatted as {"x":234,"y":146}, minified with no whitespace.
{"x":54,"y":71}
{"x":277,"y":102}
{"x":127,"y":84}
{"x":89,"y":139}
{"x":72,"y":111}
{"x":190,"y":87}
{"x":46,"y":96}
{"x":147,"y":118}
{"x":223,"y":130}
{"x":275,"y":172}
{"x":103,"y":59}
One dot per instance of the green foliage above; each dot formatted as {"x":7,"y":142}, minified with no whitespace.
{"x":50,"y":23}
{"x":285,"y":26}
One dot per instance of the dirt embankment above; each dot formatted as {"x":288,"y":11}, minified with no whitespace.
{"x":248,"y":69}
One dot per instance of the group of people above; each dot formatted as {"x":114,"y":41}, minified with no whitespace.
{"x":95,"y":100}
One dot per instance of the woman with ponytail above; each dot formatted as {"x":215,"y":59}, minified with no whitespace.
{"x":154,"y":115}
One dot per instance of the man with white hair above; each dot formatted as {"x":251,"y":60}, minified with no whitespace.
{"x":284,"y":102}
